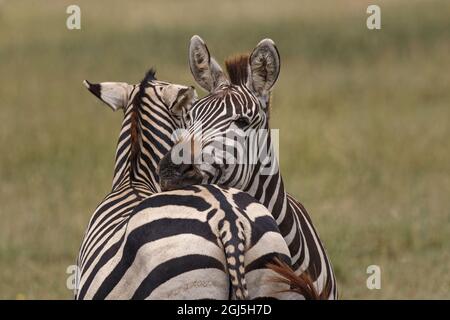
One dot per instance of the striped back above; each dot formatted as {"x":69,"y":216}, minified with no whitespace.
{"x":200,"y":242}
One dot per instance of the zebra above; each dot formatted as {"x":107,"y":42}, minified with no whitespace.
{"x":237,"y":106}
{"x":201,"y":242}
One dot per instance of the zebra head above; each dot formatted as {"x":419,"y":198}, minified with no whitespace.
{"x":153,"y":111}
{"x":227,"y":130}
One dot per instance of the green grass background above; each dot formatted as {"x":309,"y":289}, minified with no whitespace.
{"x":364,"y":119}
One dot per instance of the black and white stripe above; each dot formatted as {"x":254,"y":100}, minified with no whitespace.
{"x":202,"y":242}
{"x":241,"y":104}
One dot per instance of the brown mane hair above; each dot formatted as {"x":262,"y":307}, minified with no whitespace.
{"x":135,"y":117}
{"x":237,"y":68}
{"x":238,"y":72}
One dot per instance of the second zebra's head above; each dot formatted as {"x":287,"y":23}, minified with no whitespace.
{"x":227,"y":137}
{"x":153,"y":112}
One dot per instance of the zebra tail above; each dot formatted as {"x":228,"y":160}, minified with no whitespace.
{"x":301,"y":284}
{"x":234,"y":255}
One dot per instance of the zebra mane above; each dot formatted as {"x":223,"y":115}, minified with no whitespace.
{"x":238,"y":72}
{"x":237,"y":68}
{"x":134,"y":126}
{"x":149,"y":75}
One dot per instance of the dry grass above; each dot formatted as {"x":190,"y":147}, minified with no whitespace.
{"x":364,"y":118}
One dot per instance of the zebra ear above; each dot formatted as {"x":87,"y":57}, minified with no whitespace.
{"x":264,"y":68}
{"x":114,"y":94}
{"x":204,"y":68}
{"x":178,"y":98}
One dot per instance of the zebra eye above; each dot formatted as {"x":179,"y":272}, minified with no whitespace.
{"x":242,"y":122}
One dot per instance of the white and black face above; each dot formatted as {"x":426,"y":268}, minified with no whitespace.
{"x":223,"y":127}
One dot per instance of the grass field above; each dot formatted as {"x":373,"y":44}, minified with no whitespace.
{"x":364,"y":120}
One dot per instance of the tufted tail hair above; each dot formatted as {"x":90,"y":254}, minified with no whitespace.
{"x":234,"y":254}
{"x":301,"y":284}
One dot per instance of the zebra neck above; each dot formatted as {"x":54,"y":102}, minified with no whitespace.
{"x":136,"y":171}
{"x":142,"y":187}
{"x":269,"y":190}
{"x":269,"y":183}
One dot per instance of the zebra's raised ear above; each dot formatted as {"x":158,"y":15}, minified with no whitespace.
{"x":114,"y":94}
{"x":204,"y":68}
{"x":264,"y":68}
{"x":178,"y":98}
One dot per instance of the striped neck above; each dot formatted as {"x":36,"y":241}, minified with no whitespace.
{"x":268,"y":188}
{"x":144,"y":139}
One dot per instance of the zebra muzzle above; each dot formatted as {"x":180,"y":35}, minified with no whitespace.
{"x":175,"y":176}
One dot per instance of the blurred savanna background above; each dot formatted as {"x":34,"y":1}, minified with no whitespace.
{"x":364,"y":119}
